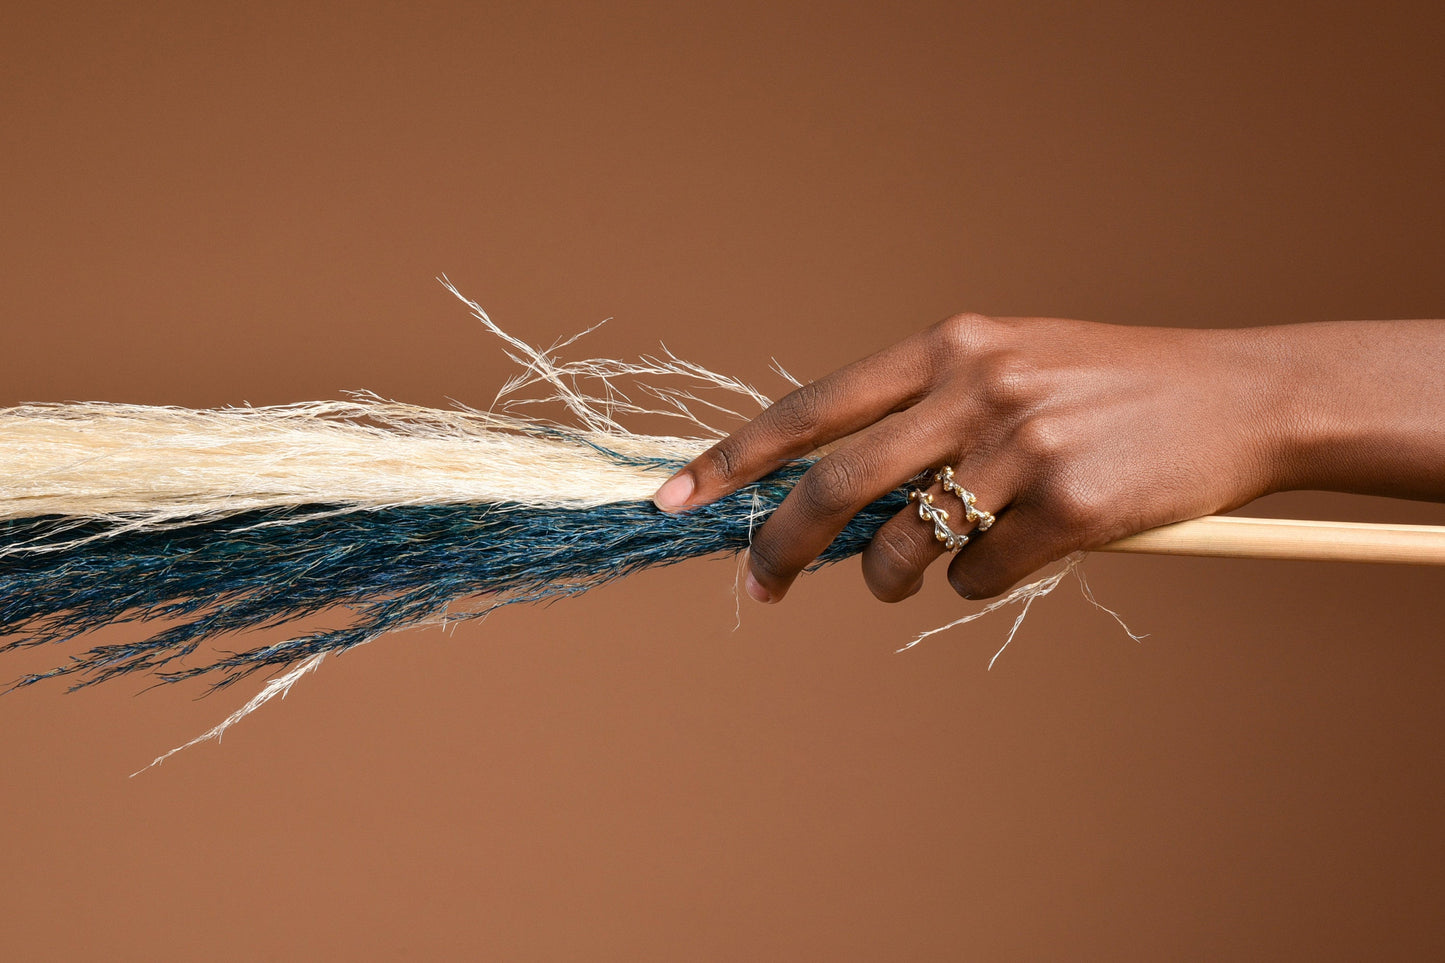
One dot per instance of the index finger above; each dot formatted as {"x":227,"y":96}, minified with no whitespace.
{"x":848,"y":400}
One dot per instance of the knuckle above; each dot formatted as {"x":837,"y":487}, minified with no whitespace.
{"x":766,"y":560}
{"x":799,"y":414}
{"x":1077,"y":506}
{"x":831,"y":487}
{"x":1042,"y":440}
{"x":892,"y":565}
{"x":725,"y":459}
{"x":980,"y":576}
{"x":966,"y":337}
{"x":965,"y":583}
{"x":966,"y":332}
{"x":972,"y":582}
{"x":1009,"y":381}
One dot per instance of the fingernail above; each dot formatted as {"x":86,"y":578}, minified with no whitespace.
{"x":673,"y":494}
{"x":759,"y":593}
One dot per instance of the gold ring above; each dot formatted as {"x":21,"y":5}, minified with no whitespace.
{"x":930,"y":512}
{"x":938,"y":517}
{"x":975,"y":515}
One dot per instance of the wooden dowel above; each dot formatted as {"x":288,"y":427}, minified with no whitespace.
{"x":1233,"y":537}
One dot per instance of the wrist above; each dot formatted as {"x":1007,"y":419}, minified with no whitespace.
{"x":1352,"y":406}
{"x":1284,"y":364}
{"x":1255,"y":378}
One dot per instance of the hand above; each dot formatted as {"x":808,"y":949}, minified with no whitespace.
{"x":1072,"y":433}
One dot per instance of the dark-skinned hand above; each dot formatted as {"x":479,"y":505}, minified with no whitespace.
{"x":1075,"y":434}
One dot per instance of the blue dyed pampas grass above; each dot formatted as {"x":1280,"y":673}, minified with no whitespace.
{"x":386,"y":568}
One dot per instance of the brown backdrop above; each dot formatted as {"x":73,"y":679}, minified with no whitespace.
{"x":206,"y":205}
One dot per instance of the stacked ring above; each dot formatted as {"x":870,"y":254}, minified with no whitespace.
{"x":938,"y":517}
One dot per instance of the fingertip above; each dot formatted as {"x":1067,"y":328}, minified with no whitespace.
{"x":674,"y":493}
{"x":756,"y":591}
{"x":966,"y":585}
{"x":892,"y":597}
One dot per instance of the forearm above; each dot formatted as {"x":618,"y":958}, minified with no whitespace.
{"x":1357,"y":406}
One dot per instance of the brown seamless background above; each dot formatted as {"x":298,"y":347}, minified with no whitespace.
{"x":209,"y":204}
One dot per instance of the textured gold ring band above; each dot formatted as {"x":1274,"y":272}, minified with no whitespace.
{"x":938,"y":517}
{"x":975,"y":515}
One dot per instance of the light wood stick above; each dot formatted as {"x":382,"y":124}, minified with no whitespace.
{"x":1233,"y":537}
